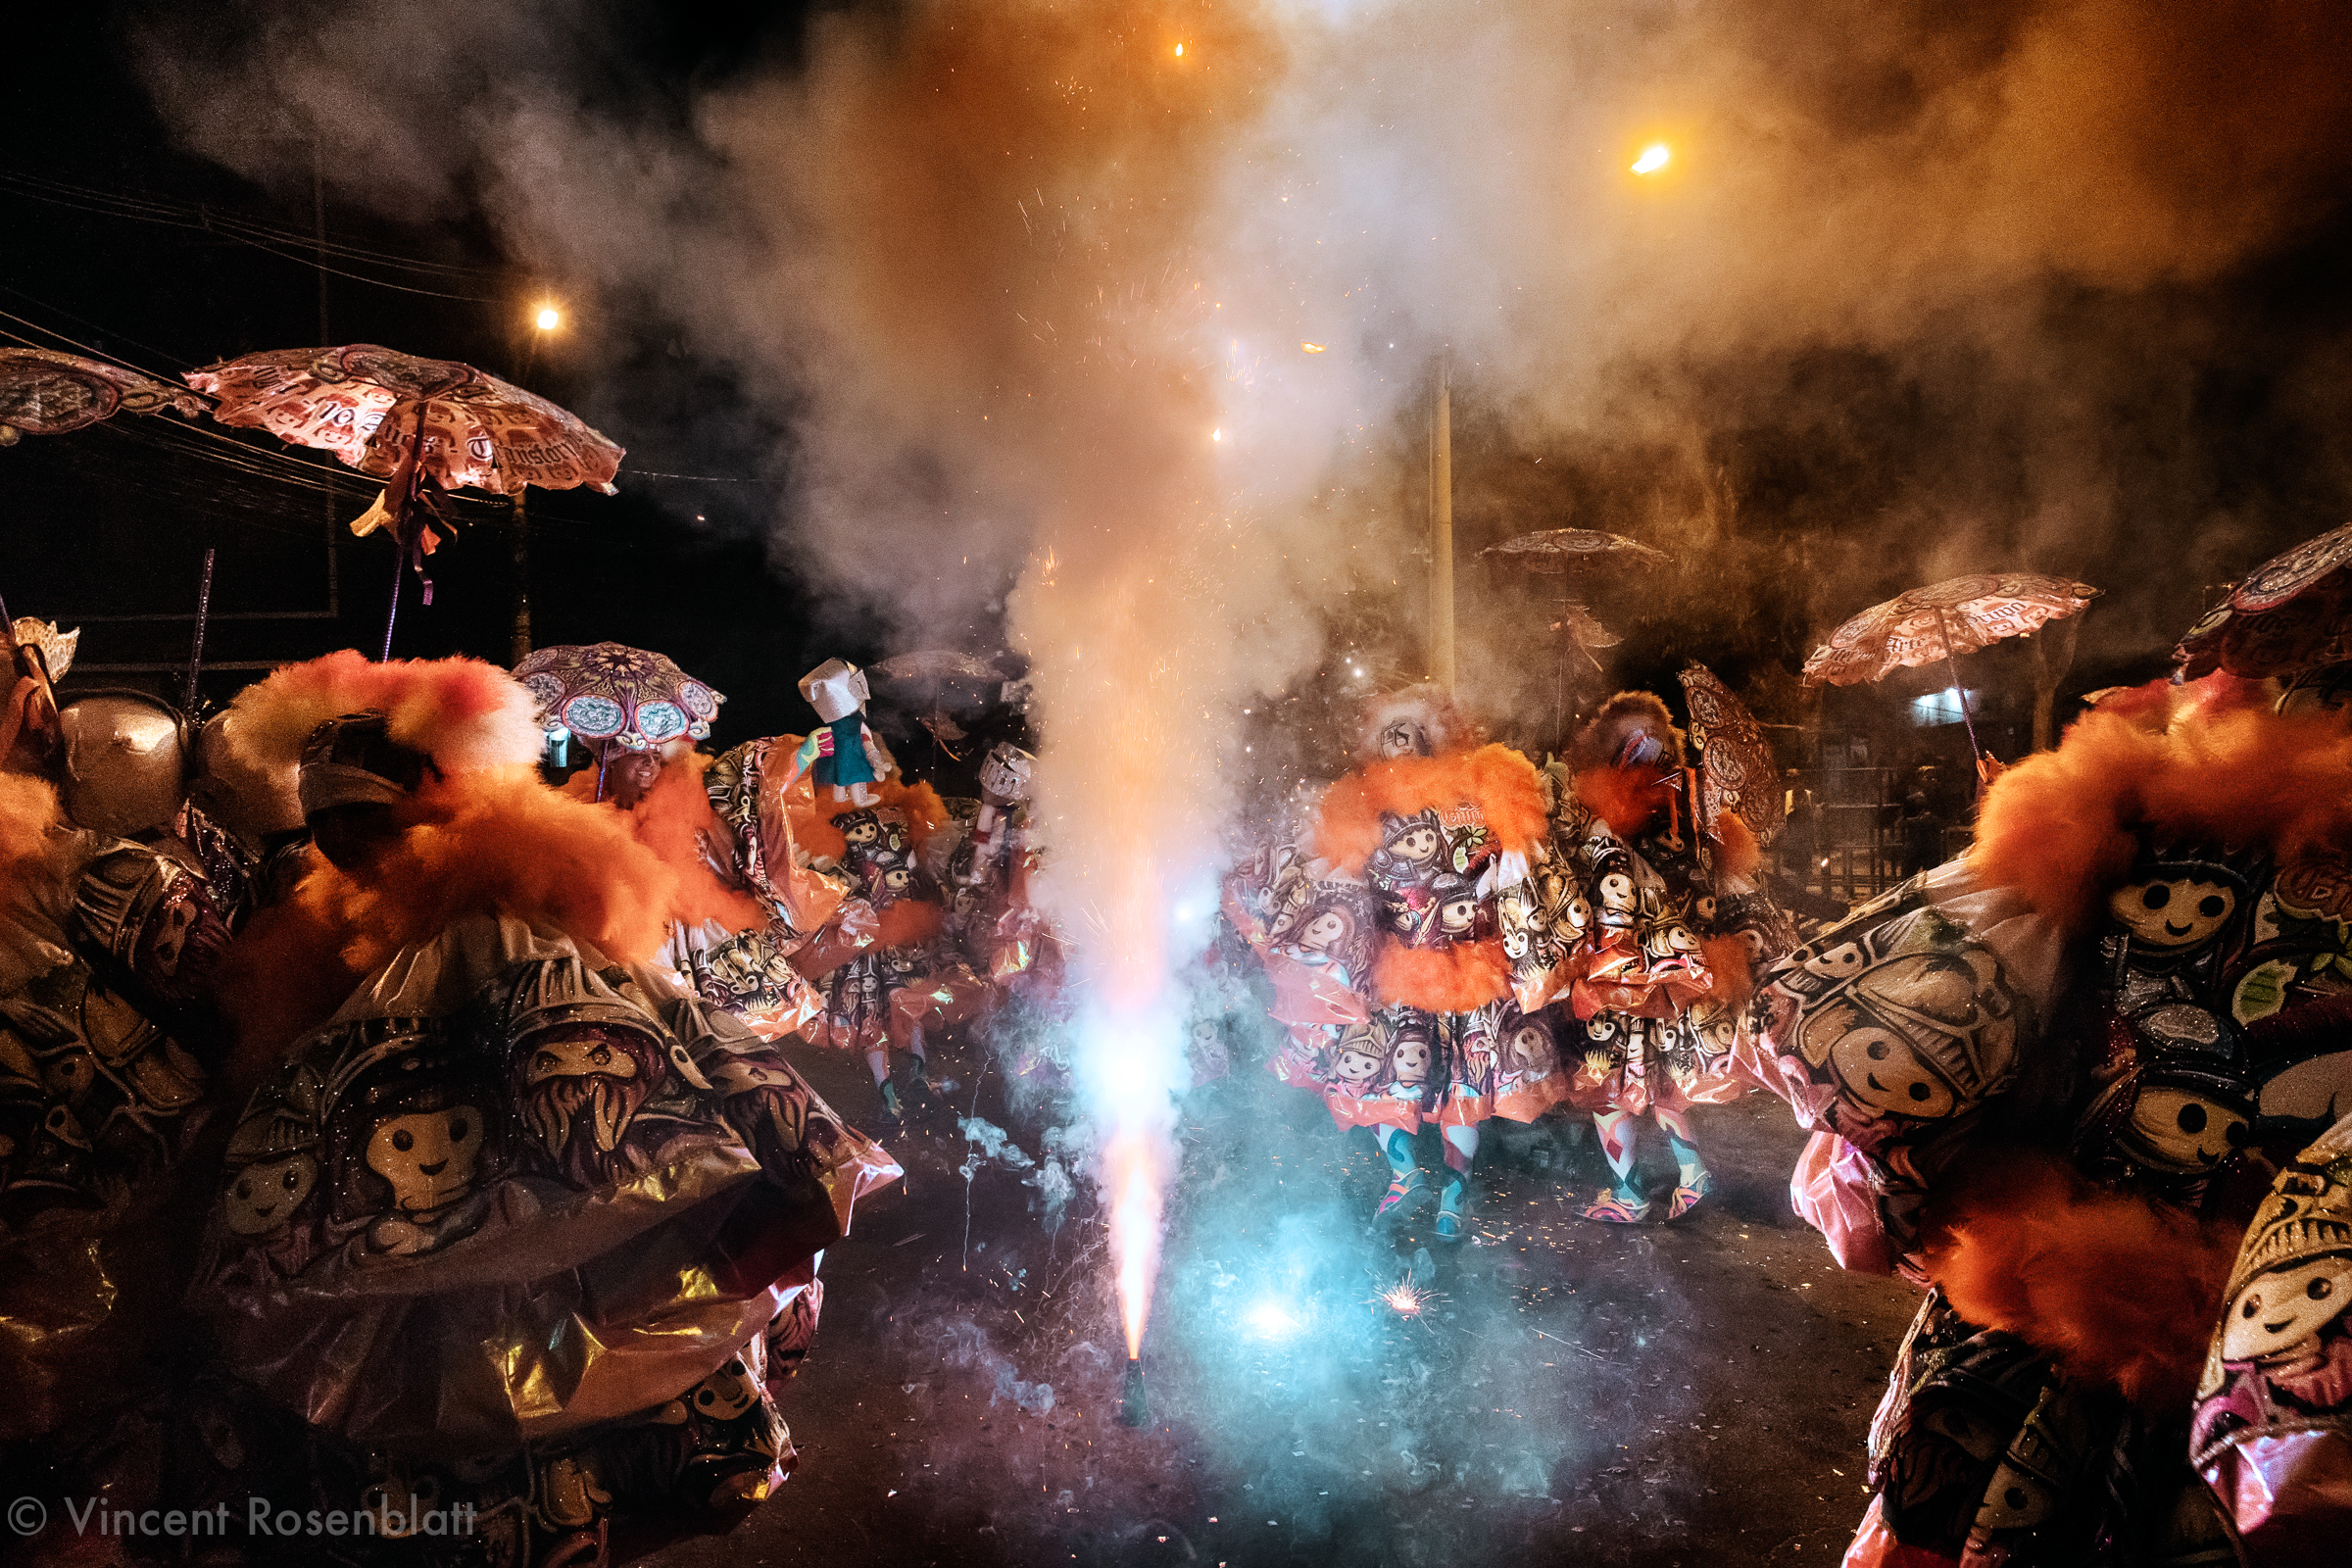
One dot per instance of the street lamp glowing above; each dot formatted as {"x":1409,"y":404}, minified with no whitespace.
{"x":549,"y":318}
{"x":1654,"y":158}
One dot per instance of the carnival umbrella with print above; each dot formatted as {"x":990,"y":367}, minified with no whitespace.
{"x":1569,"y":554}
{"x":42,"y":393}
{"x":1944,"y":620}
{"x":936,"y":673}
{"x":611,"y":696}
{"x":424,"y":427}
{"x":1737,"y":772}
{"x":2290,"y":615}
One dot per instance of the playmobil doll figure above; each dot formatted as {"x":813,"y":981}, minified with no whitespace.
{"x":1437,"y":826}
{"x":2274,"y":1423}
{"x":529,"y":1188}
{"x":110,"y":1057}
{"x":732,"y":934}
{"x":849,"y":756}
{"x":1651,"y":952}
{"x":2053,"y":1081}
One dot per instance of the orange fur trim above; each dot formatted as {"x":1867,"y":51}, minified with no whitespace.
{"x":490,"y":839}
{"x":2122,"y":1293}
{"x":1732,"y":980}
{"x":2061,"y":825}
{"x":812,"y":827}
{"x":1455,"y":979}
{"x":36,"y":881}
{"x":462,"y":713}
{"x":1628,"y":798}
{"x":674,"y":821}
{"x":1501,"y":783}
{"x":1737,"y":852}
{"x":907,"y":922}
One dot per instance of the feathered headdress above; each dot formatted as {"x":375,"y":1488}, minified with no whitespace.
{"x":1616,"y":735}
{"x":57,"y":647}
{"x":1429,"y":707}
{"x":462,"y":713}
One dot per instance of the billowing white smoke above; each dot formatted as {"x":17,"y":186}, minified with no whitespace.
{"x":1129,"y":301}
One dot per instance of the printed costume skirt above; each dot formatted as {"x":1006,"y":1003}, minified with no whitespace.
{"x":550,"y":1197}
{"x":879,"y":999}
{"x":1634,"y":1064}
{"x":1983,"y":1454}
{"x":749,"y":974}
{"x":692,"y":1463}
{"x":1402,"y":1067}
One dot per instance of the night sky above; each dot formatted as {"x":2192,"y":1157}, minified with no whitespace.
{"x":2153,"y":427}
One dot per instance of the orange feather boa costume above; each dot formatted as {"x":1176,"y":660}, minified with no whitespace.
{"x":488,"y":839}
{"x":2121,"y":1289}
{"x":1504,"y":787}
{"x":674,"y":821}
{"x":2191,"y":765}
{"x":480,"y":833}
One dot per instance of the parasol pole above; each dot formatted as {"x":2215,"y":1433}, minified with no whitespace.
{"x":518,"y":635}
{"x":1441,"y":534}
{"x":1958,"y":686}
{"x":1559,"y":677}
{"x":204,"y":609}
{"x":400,"y":560}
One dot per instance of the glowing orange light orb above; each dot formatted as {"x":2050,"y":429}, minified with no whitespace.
{"x":1654,"y":157}
{"x":549,"y":318}
{"x":1180,"y":51}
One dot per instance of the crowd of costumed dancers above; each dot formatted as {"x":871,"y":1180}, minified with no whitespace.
{"x":447,"y":1093}
{"x":1453,"y":935}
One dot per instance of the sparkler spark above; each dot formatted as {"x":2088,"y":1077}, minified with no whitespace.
{"x":1133,"y":1163}
{"x":1654,"y":157}
{"x":1405,"y":1299}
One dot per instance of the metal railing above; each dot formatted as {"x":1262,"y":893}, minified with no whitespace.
{"x":1857,"y":845}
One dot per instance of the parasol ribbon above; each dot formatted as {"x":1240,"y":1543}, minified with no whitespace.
{"x":401,"y":492}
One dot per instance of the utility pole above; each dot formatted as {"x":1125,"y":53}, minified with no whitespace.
{"x":1440,"y":533}
{"x":518,"y":638}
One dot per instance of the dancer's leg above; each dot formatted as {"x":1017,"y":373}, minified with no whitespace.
{"x":918,"y":1066}
{"x":1405,"y":1174}
{"x":1620,"y":1143}
{"x":1462,"y":1151}
{"x":1692,"y":1180}
{"x":877,"y":1060}
{"x":1623,"y":1202}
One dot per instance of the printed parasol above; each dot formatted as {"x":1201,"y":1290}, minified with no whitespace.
{"x":1567,"y":554}
{"x":1944,"y":620}
{"x":1557,"y":551}
{"x":42,"y":393}
{"x":423,"y":426}
{"x":1737,"y":772}
{"x":612,"y":696}
{"x":2292,"y":614}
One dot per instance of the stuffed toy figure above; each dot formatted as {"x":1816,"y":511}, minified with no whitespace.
{"x":849,"y":756}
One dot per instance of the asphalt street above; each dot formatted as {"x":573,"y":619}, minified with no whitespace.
{"x":1568,"y":1391}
